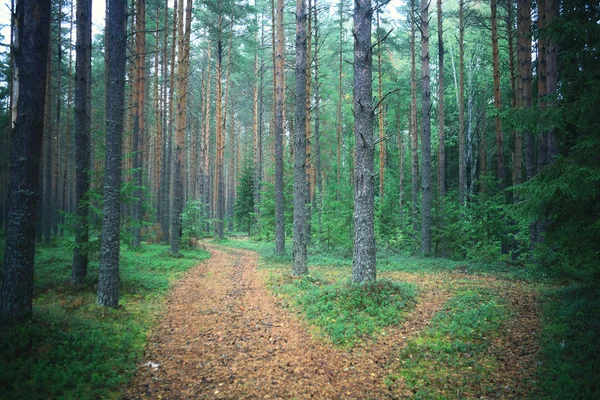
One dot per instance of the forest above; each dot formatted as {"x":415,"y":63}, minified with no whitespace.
{"x":300,"y":199}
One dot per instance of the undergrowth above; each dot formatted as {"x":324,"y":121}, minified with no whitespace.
{"x":451,"y":352}
{"x":342,"y":311}
{"x":73,"y":349}
{"x":570,"y":341}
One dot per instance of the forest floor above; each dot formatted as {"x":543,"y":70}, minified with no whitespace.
{"x":224,"y":334}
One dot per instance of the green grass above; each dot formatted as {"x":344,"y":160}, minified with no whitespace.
{"x":451,"y":353}
{"x":74,"y":349}
{"x":344,"y":312}
{"x":570,"y":341}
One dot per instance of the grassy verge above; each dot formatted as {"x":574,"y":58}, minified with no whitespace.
{"x":74,"y":349}
{"x":451,"y":353}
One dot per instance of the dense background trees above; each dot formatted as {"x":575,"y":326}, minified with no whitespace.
{"x":211,"y":99}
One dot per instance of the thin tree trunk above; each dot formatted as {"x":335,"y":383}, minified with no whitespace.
{"x":279,"y":94}
{"x":381,"y":119}
{"x":400,"y":166}
{"x":426,"y":132}
{"x":441,"y":124}
{"x":462,"y":159}
{"x":218,"y":177}
{"x":339,"y":104}
{"x":30,"y":51}
{"x":139,"y":117}
{"x":48,"y":204}
{"x":108,"y":280}
{"x":56,"y":200}
{"x":299,"y":267}
{"x":552,"y":8}
{"x":83,"y":60}
{"x":67,"y":195}
{"x":413,"y":120}
{"x":497,"y":102}
{"x":318,"y":173}
{"x":363,"y":261}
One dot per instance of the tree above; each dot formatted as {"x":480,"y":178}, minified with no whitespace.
{"x":30,"y":50}
{"x":139,"y":124}
{"x":462,"y":153}
{"x":299,"y":238}
{"x":182,"y":83}
{"x":497,"y":101}
{"x":83,"y":72}
{"x":413,"y":119}
{"x":426,"y":132}
{"x":279,"y":96}
{"x":108,"y":279}
{"x":363,"y":260}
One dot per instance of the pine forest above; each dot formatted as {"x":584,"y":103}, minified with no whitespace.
{"x":326,"y":199}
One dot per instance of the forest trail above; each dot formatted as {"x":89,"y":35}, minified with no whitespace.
{"x":224,"y":335}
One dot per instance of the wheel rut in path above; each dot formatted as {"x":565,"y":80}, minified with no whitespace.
{"x":223,"y":335}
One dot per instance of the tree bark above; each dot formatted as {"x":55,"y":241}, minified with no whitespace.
{"x":300,"y":191}
{"x":182,"y":83}
{"x":426,"y":133}
{"x":279,"y":88}
{"x":220,"y":140}
{"x":83,"y":62}
{"x":30,"y":51}
{"x":339,"y":104}
{"x":108,"y":280}
{"x":363,"y":261}
{"x":552,"y":7}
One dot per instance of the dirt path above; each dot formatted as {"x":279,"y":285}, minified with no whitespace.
{"x":223,"y":335}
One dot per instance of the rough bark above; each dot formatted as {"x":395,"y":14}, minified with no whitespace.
{"x":317,"y":119}
{"x":83,"y":60}
{"x":30,"y":51}
{"x":182,"y":82}
{"x":425,"y":133}
{"x":47,"y":198}
{"x":279,"y":95}
{"x":108,"y":280}
{"x":363,"y":261}
{"x":300,"y":190}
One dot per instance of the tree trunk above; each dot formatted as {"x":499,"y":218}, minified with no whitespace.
{"x":48,"y":204}
{"x":279,"y":88}
{"x":497,"y":103}
{"x":339,"y":104}
{"x":30,"y":52}
{"x":381,"y":119}
{"x":139,"y":117}
{"x":182,"y":81}
{"x":462,"y":159}
{"x":83,"y":62}
{"x":299,"y":239}
{"x":220,"y":140}
{"x":108,"y":280}
{"x":318,"y":173}
{"x":400,"y":166}
{"x":426,"y":132}
{"x":363,"y":262}
{"x":413,"y":120}
{"x":551,"y":12}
